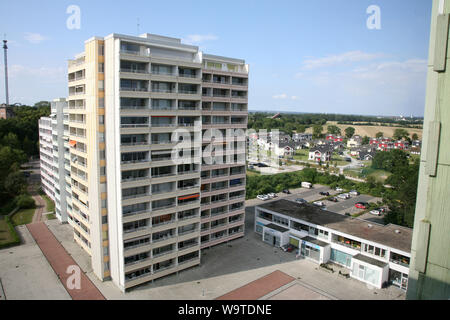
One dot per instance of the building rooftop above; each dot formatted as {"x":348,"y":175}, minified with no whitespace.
{"x":369,"y":260}
{"x":276,"y":227}
{"x":391,"y":235}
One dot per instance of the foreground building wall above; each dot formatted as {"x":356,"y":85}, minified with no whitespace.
{"x":430,"y":266}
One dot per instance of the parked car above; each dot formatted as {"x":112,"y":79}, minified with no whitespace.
{"x":339,"y":189}
{"x":348,"y":214}
{"x":375,"y":212}
{"x":271,"y":195}
{"x":300,"y":200}
{"x":251,"y":167}
{"x":361,"y":205}
{"x":344,"y":196}
{"x":354,"y":193}
{"x":287,"y":248}
{"x":348,"y":159}
{"x":382,"y":210}
{"x":319,"y":203}
{"x":286,"y":191}
{"x":324,"y":193}
{"x":262,"y":197}
{"x":333,"y":199}
{"x":306,"y":185}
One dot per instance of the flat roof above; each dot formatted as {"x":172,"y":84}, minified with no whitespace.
{"x":276,"y":227}
{"x":369,"y":260}
{"x":385,"y":235}
{"x":315,"y":241}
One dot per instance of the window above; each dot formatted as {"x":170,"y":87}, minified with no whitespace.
{"x":101,"y":119}
{"x":101,"y":85}
{"x":258,"y":228}
{"x":103,"y":171}
{"x":101,"y":50}
{"x":102,"y":155}
{"x":101,"y":102}
{"x":101,"y":136}
{"x":104,"y":219}
{"x":101,"y":67}
{"x":104,"y":203}
{"x":323,"y":234}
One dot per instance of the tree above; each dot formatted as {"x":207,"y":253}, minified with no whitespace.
{"x":333,"y":129}
{"x":415,"y":136}
{"x":365,"y":140}
{"x":400,"y":133}
{"x":15,"y":183}
{"x":317,"y":131}
{"x":379,"y":135}
{"x":401,"y":200}
{"x":349,"y":132}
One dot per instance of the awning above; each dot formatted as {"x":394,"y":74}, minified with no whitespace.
{"x":72,"y":143}
{"x":189,"y":197}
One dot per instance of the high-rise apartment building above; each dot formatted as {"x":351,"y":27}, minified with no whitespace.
{"x":55,"y":157}
{"x":157,"y":154}
{"x":429,"y":276}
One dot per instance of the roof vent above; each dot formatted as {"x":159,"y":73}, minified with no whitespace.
{"x":397,"y":231}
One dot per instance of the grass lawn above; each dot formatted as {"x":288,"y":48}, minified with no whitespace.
{"x":301,"y":155}
{"x":23,"y":216}
{"x":51,"y":216}
{"x":251,"y":172}
{"x":50,"y":203}
{"x":8,"y":235}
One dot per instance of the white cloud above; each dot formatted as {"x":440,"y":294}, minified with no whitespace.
{"x":346,"y":57}
{"x":280,"y":96}
{"x":34,"y":37}
{"x":199,"y":38}
{"x":294,"y":98}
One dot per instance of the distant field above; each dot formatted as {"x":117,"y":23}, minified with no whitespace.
{"x":369,"y":131}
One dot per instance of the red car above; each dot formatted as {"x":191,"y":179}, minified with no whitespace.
{"x":361,"y":205}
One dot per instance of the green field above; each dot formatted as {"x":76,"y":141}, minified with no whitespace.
{"x":23,"y":216}
{"x":301,"y":155}
{"x":378,"y":174}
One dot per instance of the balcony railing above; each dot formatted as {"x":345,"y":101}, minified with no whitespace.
{"x":134,"y":161}
{"x":135,"y":229}
{"x":129,"y":179}
{"x":188,"y":246}
{"x":188,"y":91}
{"x":134,"y":107}
{"x":137,"y":261}
{"x":133,"y":70}
{"x":133,"y":89}
{"x":159,"y":254}
{"x":163,"y":223}
{"x":162,"y":90}
{"x":135,"y":213}
{"x":164,"y":207}
{"x":132,"y":196}
{"x":164,"y":268}
{"x":186,"y":75}
{"x":188,"y":260}
{"x":134,"y":125}
{"x":166,"y":237}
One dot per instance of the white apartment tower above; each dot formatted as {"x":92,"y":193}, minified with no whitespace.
{"x":55,"y":157}
{"x":157,"y":154}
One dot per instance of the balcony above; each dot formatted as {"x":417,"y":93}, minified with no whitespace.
{"x":135,"y":229}
{"x":133,"y":89}
{"x":188,"y":91}
{"x":130,"y":70}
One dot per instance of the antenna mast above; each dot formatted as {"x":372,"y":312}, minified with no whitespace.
{"x":5,"y":50}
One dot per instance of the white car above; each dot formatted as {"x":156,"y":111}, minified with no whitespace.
{"x":339,"y":189}
{"x":271,"y":195}
{"x":262,"y":197}
{"x":375,"y":212}
{"x":319,"y":203}
{"x":354,"y":193}
{"x":344,"y":196}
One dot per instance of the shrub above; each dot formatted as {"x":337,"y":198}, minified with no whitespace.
{"x":25,"y":202}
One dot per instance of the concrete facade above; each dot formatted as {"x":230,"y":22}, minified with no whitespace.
{"x":430,"y":263}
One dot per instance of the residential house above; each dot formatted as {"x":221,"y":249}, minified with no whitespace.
{"x":320,"y":153}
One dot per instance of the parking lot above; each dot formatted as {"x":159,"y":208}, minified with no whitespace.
{"x":342,"y":206}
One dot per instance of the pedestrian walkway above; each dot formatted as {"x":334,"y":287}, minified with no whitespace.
{"x":260,"y":287}
{"x":60,"y":260}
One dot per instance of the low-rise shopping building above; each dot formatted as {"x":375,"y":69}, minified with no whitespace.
{"x":375,"y":254}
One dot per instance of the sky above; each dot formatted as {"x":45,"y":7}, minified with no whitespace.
{"x":305,"y":56}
